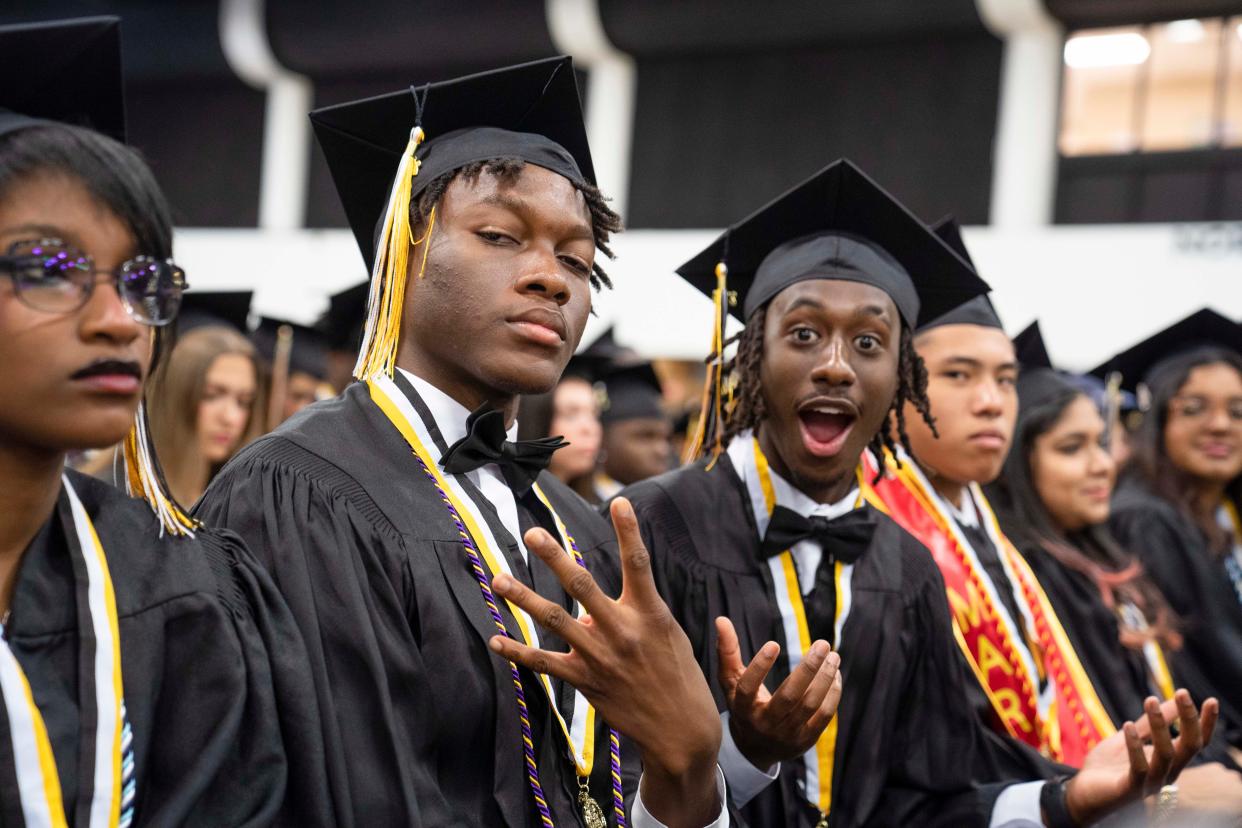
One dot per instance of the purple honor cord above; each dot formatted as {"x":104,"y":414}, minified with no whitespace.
{"x":528,"y":745}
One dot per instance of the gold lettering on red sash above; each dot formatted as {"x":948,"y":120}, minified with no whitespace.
{"x":1010,"y":708}
{"x":991,"y":659}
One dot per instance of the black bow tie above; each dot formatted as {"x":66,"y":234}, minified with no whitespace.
{"x":844,"y":538}
{"x":520,"y":462}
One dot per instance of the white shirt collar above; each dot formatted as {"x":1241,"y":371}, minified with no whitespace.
{"x":741,"y":453}
{"x":449,"y":414}
{"x":966,"y":514}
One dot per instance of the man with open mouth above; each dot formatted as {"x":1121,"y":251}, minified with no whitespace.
{"x":821,"y":624}
{"x":432,"y":562}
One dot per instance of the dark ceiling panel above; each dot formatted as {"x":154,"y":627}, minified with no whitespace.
{"x":658,"y":27}
{"x":1086,"y":14}
{"x":397,"y":38}
{"x":715,"y":137}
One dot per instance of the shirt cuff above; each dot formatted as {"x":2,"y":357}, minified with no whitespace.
{"x":1018,"y":805}
{"x":640,"y":818}
{"x":745,"y":780}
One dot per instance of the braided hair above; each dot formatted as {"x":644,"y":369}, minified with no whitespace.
{"x":604,"y":221}
{"x":748,"y":409}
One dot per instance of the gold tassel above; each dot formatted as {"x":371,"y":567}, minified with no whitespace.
{"x":711,"y":411}
{"x":378,"y":354}
{"x":143,"y":479}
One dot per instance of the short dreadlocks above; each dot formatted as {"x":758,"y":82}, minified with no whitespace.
{"x":604,"y":222}
{"x":748,"y":409}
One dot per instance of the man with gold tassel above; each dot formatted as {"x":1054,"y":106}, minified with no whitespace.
{"x":775,"y":533}
{"x":435,"y":569}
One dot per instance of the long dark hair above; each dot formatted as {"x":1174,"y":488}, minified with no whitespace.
{"x":1092,"y":551}
{"x":1150,"y":462}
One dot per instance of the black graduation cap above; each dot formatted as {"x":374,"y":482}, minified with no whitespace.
{"x":1030,"y":349}
{"x":531,"y":111}
{"x":341,"y":324}
{"x":633,"y":392}
{"x":1203,"y":327}
{"x":594,"y":362}
{"x":976,"y":311}
{"x":64,"y":71}
{"x":308,"y":353}
{"x":200,"y":309}
{"x":838,"y":224}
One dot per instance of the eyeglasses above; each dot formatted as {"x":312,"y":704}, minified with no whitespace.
{"x":1196,"y":408}
{"x":52,"y":276}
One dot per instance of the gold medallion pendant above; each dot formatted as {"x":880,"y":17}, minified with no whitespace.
{"x":592,"y":814}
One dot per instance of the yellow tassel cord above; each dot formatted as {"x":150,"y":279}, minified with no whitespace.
{"x":144,"y":480}
{"x":378,"y":354}
{"x":711,"y":411}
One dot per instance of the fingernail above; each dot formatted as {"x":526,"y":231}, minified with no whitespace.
{"x":500,"y":582}
{"x":820,"y":649}
{"x":623,"y":508}
{"x":494,"y":644}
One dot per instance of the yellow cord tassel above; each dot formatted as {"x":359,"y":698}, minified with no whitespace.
{"x":378,"y":354}
{"x":143,"y":480}
{"x":711,"y":411}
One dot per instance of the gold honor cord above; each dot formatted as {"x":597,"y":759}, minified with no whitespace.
{"x":389,"y":398}
{"x":38,"y":779}
{"x":819,"y":762}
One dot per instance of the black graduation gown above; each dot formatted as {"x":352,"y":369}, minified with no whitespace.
{"x":1118,"y":673}
{"x":421,"y":723}
{"x":906,"y":738}
{"x":224,"y":719}
{"x":1193,"y":579}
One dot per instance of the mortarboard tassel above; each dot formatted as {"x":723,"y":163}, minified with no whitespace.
{"x":144,"y":479}
{"x":711,"y":413}
{"x":378,"y":354}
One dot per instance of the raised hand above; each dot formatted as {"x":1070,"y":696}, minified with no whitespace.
{"x":1125,"y":768}
{"x":633,"y":662}
{"x":774,"y":727}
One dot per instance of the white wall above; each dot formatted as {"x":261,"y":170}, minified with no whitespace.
{"x":1094,"y":289}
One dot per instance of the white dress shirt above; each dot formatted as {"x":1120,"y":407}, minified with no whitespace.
{"x":450,"y":418}
{"x":745,"y":780}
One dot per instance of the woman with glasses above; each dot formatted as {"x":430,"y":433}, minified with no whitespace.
{"x":149,"y":673}
{"x":1177,"y":503}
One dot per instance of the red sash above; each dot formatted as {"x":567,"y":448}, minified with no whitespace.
{"x":1002,"y":658}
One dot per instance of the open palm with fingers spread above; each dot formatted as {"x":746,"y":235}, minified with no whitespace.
{"x":1141,"y":758}
{"x":775,"y":727}
{"x":633,"y":662}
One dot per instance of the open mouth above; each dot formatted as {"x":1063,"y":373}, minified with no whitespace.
{"x":824,"y":430}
